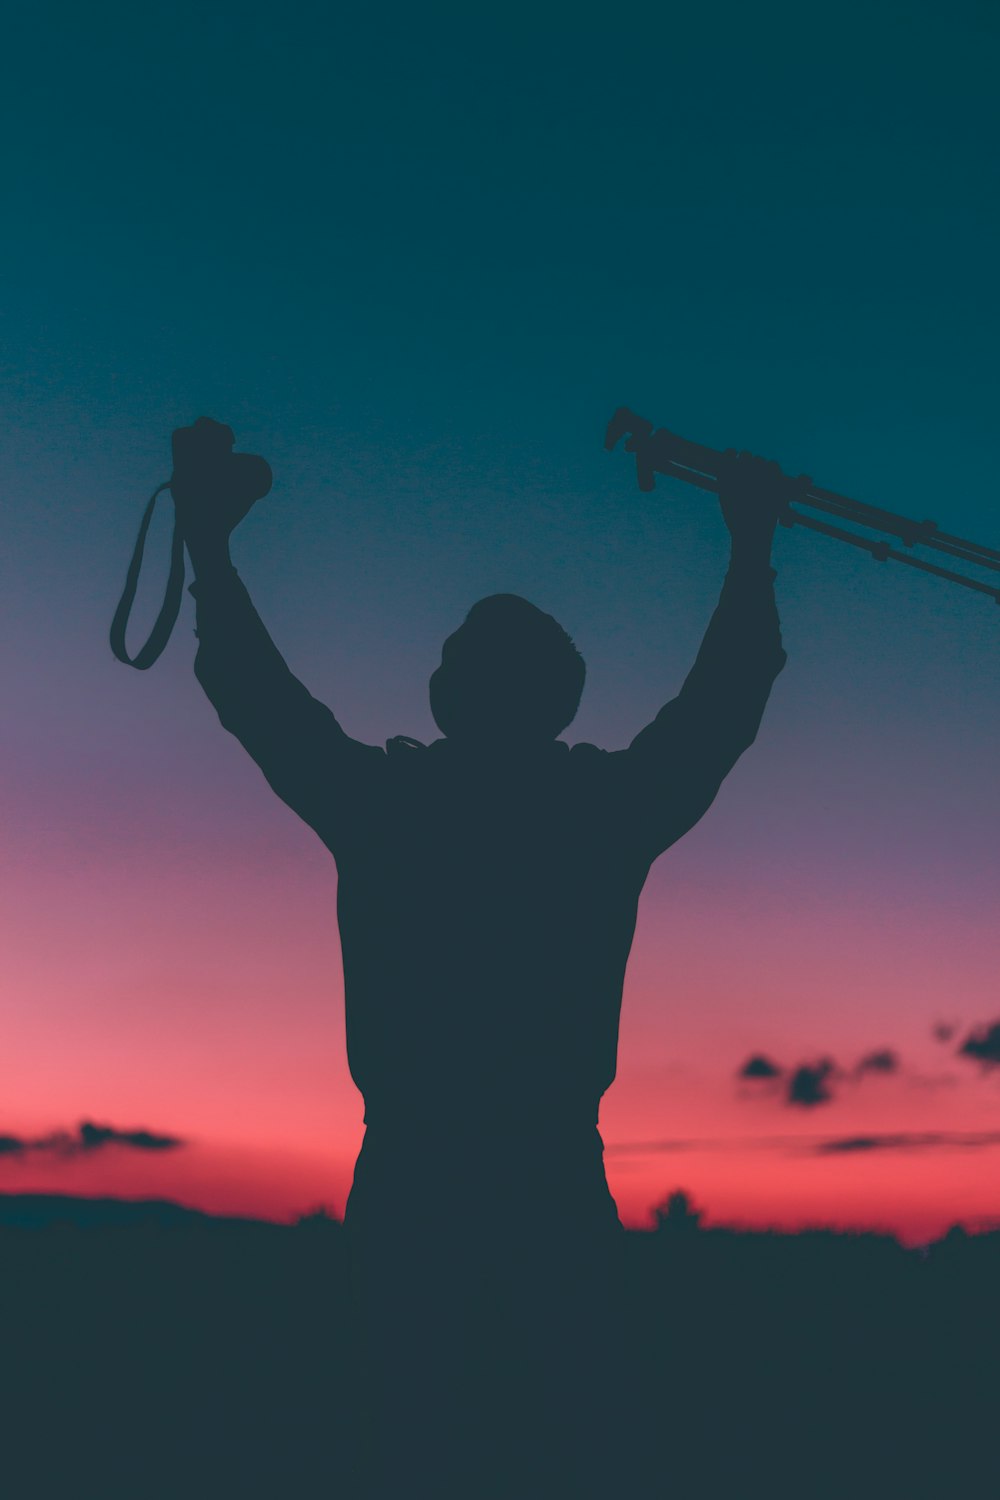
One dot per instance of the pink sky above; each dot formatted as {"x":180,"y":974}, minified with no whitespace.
{"x":190,"y":984}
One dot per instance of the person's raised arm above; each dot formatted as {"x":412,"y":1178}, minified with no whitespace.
{"x":679,"y":761}
{"x":296,"y":741}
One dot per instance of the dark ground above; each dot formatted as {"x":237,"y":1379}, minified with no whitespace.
{"x":173,"y":1355}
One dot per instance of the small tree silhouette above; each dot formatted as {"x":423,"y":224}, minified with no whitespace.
{"x":318,"y":1218}
{"x":675,"y":1215}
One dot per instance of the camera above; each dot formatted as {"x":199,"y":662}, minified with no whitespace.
{"x":204,"y":452}
{"x":205,"y":469}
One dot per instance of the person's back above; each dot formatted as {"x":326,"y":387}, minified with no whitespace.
{"x":487,"y":904}
{"x":487,"y":896}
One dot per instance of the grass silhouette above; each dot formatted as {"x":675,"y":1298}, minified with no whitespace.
{"x":149,"y":1351}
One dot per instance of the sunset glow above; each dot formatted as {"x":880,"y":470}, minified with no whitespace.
{"x":421,"y":297}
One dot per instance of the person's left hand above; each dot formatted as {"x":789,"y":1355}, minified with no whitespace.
{"x":213,"y":487}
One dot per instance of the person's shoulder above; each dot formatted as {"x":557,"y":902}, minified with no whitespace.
{"x":597,"y":767}
{"x":405,"y":758}
{"x":590,"y":760}
{"x":583,"y":752}
{"x":362,"y":765}
{"x":402,"y":747}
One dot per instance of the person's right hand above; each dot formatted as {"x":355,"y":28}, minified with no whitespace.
{"x":754,"y":495}
{"x":213,"y":488}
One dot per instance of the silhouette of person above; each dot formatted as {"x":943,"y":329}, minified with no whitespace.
{"x":488,"y":886}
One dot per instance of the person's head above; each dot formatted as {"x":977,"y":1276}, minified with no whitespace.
{"x":508,"y":673}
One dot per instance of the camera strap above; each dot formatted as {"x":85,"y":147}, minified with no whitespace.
{"x":169,"y":609}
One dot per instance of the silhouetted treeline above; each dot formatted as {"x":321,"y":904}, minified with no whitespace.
{"x":148,"y":1351}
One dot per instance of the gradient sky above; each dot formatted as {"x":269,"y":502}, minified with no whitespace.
{"x":416,"y":256}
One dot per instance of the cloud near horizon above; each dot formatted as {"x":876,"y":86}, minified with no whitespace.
{"x":983,"y":1045}
{"x":909,"y":1141}
{"x":884,"y":1060}
{"x":950,"y":1140}
{"x":760,"y":1067}
{"x":810,"y":1084}
{"x":86,"y":1139}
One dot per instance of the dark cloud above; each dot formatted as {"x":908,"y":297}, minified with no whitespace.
{"x":809,"y":1085}
{"x":811,"y":1145}
{"x":944,"y":1031}
{"x":92,"y":1137}
{"x":908,"y":1141}
{"x":713,"y":1143}
{"x":884,"y":1060}
{"x":759,"y":1066}
{"x":983,"y":1045}
{"x":88,"y":1138}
